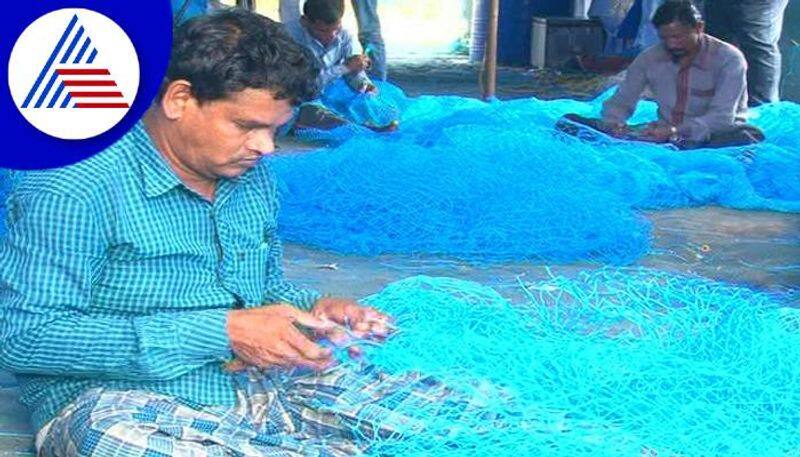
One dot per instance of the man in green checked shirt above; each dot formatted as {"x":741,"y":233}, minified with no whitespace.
{"x":142,"y":302}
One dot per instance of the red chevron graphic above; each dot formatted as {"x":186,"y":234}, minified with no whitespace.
{"x":88,"y":88}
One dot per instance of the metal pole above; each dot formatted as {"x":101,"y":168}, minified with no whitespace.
{"x":490,"y":56}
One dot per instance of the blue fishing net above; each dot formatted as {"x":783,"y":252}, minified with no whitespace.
{"x":378,"y":108}
{"x":614,"y":362}
{"x":456,"y":198}
{"x":495,"y":181}
{"x":361,"y":109}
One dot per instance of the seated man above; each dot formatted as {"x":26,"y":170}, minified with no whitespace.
{"x":320,"y":30}
{"x":134,"y":284}
{"x":369,"y":30}
{"x":698,"y":81}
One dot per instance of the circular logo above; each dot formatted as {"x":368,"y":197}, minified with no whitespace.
{"x":73,"y":73}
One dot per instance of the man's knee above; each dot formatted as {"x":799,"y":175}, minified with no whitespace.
{"x":93,"y":425}
{"x":69,"y":434}
{"x":740,"y":135}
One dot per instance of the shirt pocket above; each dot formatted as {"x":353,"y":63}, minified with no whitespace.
{"x":251,"y":244}
{"x":251,"y":271}
{"x":703,"y":93}
{"x":157,"y":269}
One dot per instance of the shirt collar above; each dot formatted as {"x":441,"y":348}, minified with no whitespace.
{"x":334,"y":44}
{"x":702,"y":59}
{"x":157,"y":177}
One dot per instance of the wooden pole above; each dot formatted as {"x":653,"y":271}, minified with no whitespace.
{"x":247,"y":4}
{"x":490,"y":56}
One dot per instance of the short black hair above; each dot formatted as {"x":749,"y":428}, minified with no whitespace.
{"x":325,"y":11}
{"x":233,"y":49}
{"x":682,"y":11}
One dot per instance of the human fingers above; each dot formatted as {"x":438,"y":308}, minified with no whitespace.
{"x":319,"y":323}
{"x":355,"y":352}
{"x":338,"y":336}
{"x":375,"y":323}
{"x":235,"y":365}
{"x":263,"y":358}
{"x":305,"y":352}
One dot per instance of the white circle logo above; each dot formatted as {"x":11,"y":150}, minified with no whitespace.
{"x":73,"y":73}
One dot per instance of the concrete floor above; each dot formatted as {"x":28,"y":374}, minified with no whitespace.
{"x":755,"y":249}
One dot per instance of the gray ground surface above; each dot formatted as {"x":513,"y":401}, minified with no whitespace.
{"x":759,"y":249}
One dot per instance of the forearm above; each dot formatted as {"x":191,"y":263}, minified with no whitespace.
{"x":699,"y":128}
{"x":617,"y":110}
{"x":276,"y":288}
{"x":149,"y":348}
{"x":620,"y":107}
{"x":282,"y":291}
{"x":358,"y":80}
{"x":695,"y":130}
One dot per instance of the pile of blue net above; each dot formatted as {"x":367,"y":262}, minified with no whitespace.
{"x":362,"y":109}
{"x":614,"y":362}
{"x":495,"y":181}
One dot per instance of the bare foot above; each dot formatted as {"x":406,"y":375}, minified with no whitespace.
{"x":388,"y":128}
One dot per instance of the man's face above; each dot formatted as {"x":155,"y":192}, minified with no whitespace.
{"x":680,"y":39}
{"x":225,"y":138}
{"x":322,"y":32}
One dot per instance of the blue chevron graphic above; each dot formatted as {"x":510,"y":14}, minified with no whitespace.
{"x":73,"y":47}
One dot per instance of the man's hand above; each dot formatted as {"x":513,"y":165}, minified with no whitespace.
{"x":267,"y":337}
{"x":658,"y":132}
{"x":369,"y":88}
{"x":357,"y":63}
{"x":363,"y":321}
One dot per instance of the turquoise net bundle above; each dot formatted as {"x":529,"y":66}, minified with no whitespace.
{"x":615,"y":362}
{"x":495,"y":181}
{"x":377,"y":109}
{"x":363,"y":110}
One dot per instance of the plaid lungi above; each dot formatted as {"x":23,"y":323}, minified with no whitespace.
{"x":335,"y":413}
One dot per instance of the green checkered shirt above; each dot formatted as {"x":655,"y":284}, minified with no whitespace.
{"x":114,"y":274}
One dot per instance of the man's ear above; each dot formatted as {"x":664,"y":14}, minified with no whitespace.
{"x":701,"y":27}
{"x":177,"y":96}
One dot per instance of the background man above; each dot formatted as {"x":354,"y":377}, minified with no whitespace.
{"x":697,"y":80}
{"x":369,"y":30}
